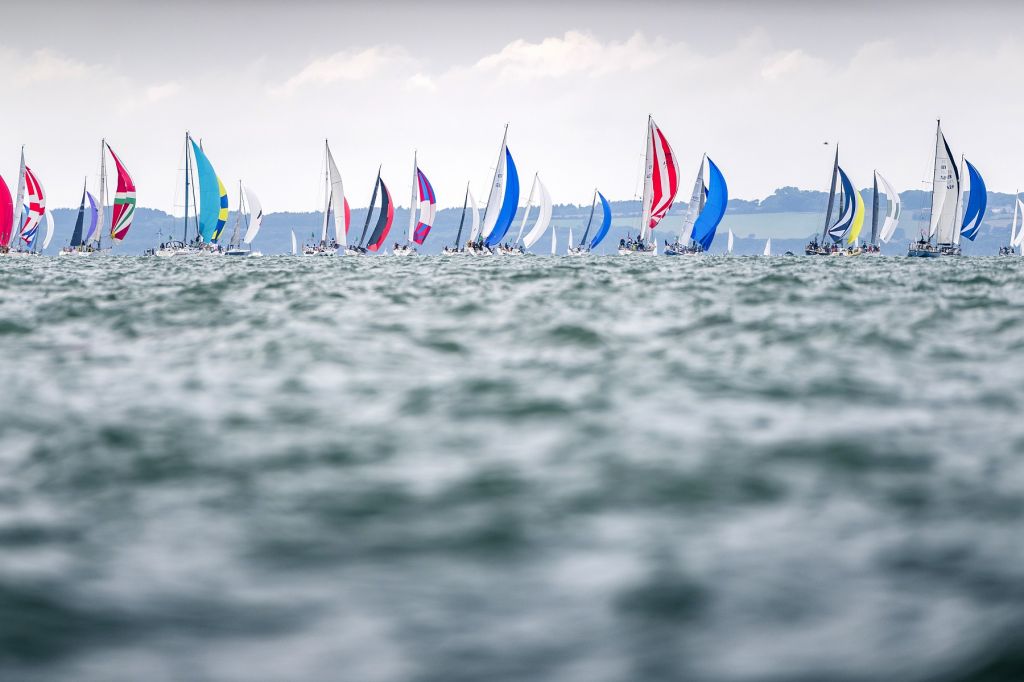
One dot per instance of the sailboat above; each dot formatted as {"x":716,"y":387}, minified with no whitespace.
{"x":892,"y":215}
{"x":468,"y":203}
{"x":767,"y":247}
{"x":502,"y":203}
{"x":27,"y":211}
{"x":385,"y":217}
{"x":209,"y":215}
{"x":82,"y":234}
{"x":661,"y":182}
{"x":253,"y":221}
{"x":703,"y":214}
{"x":729,"y":243}
{"x":602,"y":231}
{"x":336,"y":206}
{"x":944,"y":229}
{"x":1016,"y":233}
{"x":425,"y":208}
{"x":90,"y":240}
{"x":849,"y":223}
{"x":522,"y":243}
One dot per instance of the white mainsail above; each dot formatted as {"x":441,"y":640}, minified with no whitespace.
{"x":1018,"y":235}
{"x":475,"y":212}
{"x":768,"y":247}
{"x":554,"y":242}
{"x":337,"y":202}
{"x":945,"y":193}
{"x":255,"y":216}
{"x":18,"y":202}
{"x":543,"y":217}
{"x":693,"y":208}
{"x":728,"y":248}
{"x":569,"y":245}
{"x":101,"y":196}
{"x":295,"y":246}
{"x":497,"y":195}
{"x":414,"y":200}
{"x":892,"y":215}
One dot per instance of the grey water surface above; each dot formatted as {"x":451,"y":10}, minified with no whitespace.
{"x":428,"y":469}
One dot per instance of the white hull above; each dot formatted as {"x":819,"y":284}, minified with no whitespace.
{"x":631,"y":252}
{"x":404,"y":252}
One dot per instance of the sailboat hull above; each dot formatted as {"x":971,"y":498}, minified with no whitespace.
{"x":638,"y":252}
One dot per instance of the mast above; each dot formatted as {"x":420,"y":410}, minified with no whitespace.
{"x":494,"y":180}
{"x":103,"y":193}
{"x":590,"y":220}
{"x":462,"y":220}
{"x":831,"y":196}
{"x":19,"y":200}
{"x":413,"y":200}
{"x":369,"y":211}
{"x":327,"y":196}
{"x":645,"y":205}
{"x":1016,"y":211}
{"x":874,"y":211}
{"x":188,"y":172}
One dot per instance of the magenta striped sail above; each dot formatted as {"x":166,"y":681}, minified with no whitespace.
{"x":427,"y":209}
{"x":6,"y":213}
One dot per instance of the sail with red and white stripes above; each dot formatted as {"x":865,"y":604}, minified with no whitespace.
{"x":124,"y":202}
{"x":36,"y":198}
{"x":661,"y":179}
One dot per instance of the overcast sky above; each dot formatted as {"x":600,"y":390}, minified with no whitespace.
{"x":759,"y":86}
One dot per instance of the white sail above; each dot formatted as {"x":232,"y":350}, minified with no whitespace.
{"x":337,"y":203}
{"x":945,"y":193}
{"x":768,"y":247}
{"x":728,"y":248}
{"x":645,"y":212}
{"x":475,"y":212}
{"x":693,"y":208}
{"x":497,"y":195}
{"x":413,"y":201}
{"x":49,"y":230}
{"x":892,"y":216}
{"x":569,"y":245}
{"x":295,"y":246}
{"x":554,"y":242}
{"x":255,"y":216}
{"x":526,"y":209}
{"x":18,"y":202}
{"x":543,"y":217}
{"x":101,"y":196}
{"x":1019,"y":238}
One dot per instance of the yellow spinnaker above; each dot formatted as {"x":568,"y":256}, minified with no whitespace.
{"x":858,"y":219}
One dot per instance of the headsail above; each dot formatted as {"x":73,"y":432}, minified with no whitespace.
{"x":661,"y":179}
{"x":606,"y":222}
{"x":36,"y":207}
{"x":508,"y":205}
{"x":427,"y":208}
{"x":543,"y":217}
{"x":475,"y":214}
{"x":714,"y":210}
{"x":17,"y":217}
{"x":295,"y":245}
{"x":49,"y":230}
{"x":124,"y":201}
{"x":945,"y":192}
{"x":768,"y":247}
{"x":6,"y":213}
{"x":210,"y":190}
{"x":255,"y":216}
{"x":729,"y":243}
{"x":693,"y":208}
{"x":384,"y":220}
{"x":892,"y":215}
{"x":976,"y":203}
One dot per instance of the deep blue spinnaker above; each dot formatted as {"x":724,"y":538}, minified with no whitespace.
{"x":707,"y":222}
{"x":976,"y":204}
{"x":509,"y":204}
{"x":606,"y":223}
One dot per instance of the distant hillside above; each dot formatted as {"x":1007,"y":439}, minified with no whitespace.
{"x":788,"y":214}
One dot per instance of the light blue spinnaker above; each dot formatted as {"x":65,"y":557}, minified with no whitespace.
{"x":975,"y":205}
{"x":94,"y":216}
{"x":509,"y":204}
{"x":209,"y":195}
{"x":606,"y":223}
{"x":717,"y":199}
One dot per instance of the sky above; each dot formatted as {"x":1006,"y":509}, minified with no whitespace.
{"x":758,"y":86}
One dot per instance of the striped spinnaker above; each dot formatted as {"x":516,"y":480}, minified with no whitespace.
{"x":124,"y":201}
{"x":664,"y":174}
{"x":36,"y":197}
{"x":428,"y":208}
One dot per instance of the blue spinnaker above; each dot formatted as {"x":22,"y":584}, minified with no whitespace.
{"x":717,"y":199}
{"x":509,"y":205}
{"x":209,"y":195}
{"x":975,"y":204}
{"x":606,"y":223}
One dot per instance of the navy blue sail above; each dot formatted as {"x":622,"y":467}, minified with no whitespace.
{"x":976,"y":204}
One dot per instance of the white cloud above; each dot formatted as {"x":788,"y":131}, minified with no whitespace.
{"x":161,"y":91}
{"x":349,"y":65}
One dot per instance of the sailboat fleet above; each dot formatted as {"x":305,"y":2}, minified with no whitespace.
{"x":958,"y":206}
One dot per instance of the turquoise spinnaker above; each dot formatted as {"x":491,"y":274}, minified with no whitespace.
{"x":717,"y":199}
{"x":209,"y":195}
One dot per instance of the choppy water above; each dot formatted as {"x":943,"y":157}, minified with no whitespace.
{"x":528,"y":469}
